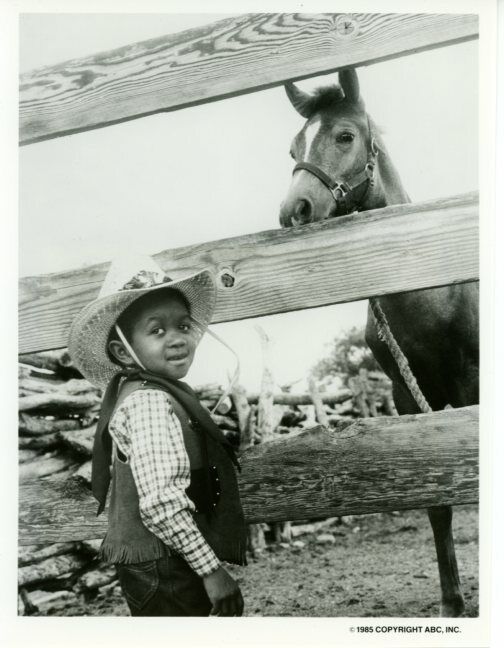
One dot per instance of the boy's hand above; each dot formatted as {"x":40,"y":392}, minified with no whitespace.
{"x":224,"y":593}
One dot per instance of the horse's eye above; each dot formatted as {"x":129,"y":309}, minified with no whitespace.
{"x":345,"y":138}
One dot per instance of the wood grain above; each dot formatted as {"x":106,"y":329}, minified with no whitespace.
{"x":394,"y":249}
{"x":364,"y":466}
{"x":224,"y":59}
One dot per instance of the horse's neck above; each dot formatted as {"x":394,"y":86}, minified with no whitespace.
{"x":388,"y":189}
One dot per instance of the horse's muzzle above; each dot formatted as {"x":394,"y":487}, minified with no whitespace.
{"x":301,"y":212}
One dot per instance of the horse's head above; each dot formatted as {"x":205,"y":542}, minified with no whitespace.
{"x":335,"y":153}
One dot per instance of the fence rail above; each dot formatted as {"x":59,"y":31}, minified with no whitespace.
{"x":365,"y":466}
{"x":390,"y":250}
{"x":231,"y":57}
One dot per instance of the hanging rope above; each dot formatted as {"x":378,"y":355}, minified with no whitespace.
{"x":386,"y":335}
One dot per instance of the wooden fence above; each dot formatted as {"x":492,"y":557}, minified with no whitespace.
{"x":373,"y":465}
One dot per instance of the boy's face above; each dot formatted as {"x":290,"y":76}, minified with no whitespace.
{"x":163,"y":336}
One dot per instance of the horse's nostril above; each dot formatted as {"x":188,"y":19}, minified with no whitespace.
{"x":303,"y":211}
{"x":295,"y":213}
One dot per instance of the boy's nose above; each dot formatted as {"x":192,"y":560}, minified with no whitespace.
{"x":176,"y":342}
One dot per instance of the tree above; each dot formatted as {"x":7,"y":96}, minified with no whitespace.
{"x":349,"y":353}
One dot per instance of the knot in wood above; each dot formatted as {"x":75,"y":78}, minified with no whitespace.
{"x":346,"y":26}
{"x":227,"y":278}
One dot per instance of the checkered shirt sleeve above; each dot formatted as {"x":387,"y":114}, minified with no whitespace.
{"x":149,"y":434}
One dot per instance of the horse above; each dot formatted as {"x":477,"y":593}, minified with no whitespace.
{"x":342,"y":166}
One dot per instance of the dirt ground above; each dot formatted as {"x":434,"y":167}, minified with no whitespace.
{"x":378,"y":565}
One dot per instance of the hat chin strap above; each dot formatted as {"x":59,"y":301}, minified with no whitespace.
{"x":236,"y":372}
{"x":129,"y":349}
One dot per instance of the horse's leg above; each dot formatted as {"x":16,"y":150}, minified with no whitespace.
{"x":452,"y":601}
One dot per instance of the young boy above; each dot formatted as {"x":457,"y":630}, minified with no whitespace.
{"x":174,"y":511}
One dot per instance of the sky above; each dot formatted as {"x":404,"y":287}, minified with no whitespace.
{"x":221,"y":170}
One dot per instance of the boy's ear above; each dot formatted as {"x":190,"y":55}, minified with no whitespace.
{"x":120,"y":353}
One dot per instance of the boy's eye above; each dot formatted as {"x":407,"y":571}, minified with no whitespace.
{"x":185,"y":327}
{"x":158,"y":330}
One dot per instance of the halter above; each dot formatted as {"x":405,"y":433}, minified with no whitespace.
{"x":347,"y":196}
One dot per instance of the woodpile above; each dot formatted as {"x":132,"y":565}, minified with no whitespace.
{"x":58,"y":411}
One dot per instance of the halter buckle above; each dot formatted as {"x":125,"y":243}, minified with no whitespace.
{"x":342,"y":188}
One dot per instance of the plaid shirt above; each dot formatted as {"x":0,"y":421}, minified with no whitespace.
{"x":147,"y":431}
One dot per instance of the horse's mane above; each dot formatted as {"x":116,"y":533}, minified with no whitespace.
{"x":325,"y":97}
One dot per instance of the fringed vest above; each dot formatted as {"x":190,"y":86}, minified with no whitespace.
{"x":213,"y":489}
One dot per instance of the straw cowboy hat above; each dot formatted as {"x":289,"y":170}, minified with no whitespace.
{"x":126,"y":281}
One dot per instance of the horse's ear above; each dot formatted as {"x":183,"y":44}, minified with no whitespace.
{"x":299,"y":99}
{"x":350,"y":84}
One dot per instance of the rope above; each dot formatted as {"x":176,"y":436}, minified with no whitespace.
{"x":386,"y":335}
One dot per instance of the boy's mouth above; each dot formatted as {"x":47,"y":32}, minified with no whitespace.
{"x":178,"y":359}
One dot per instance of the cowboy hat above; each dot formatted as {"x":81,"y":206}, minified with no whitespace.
{"x":126,"y":281}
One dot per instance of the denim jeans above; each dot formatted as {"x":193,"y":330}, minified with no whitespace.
{"x":163,"y":587}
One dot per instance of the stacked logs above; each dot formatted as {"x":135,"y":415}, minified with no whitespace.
{"x":58,"y":411}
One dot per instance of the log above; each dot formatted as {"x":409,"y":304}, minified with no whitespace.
{"x":52,"y":364}
{"x":231,"y":57}
{"x":224,"y":407}
{"x":39,"y":385}
{"x":36,"y":553}
{"x":225,"y":421}
{"x":43,"y":467}
{"x":25,"y":456}
{"x":91,"y":547}
{"x":313,"y":527}
{"x":34,"y":426}
{"x":44,"y":602}
{"x":25,"y":606}
{"x":353,"y":257}
{"x":46,"y":360}
{"x":57,"y":402}
{"x":96,"y":578}
{"x":33,"y":386}
{"x":45,"y":442}
{"x":83,"y":474}
{"x":202,"y":391}
{"x":363,"y":466}
{"x":80,"y":441}
{"x":50,"y":569}
{"x":293,"y":400}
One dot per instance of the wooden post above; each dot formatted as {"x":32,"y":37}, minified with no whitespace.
{"x":265,"y":407}
{"x":266,"y":423}
{"x":355,"y":385}
{"x":320,"y":413}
